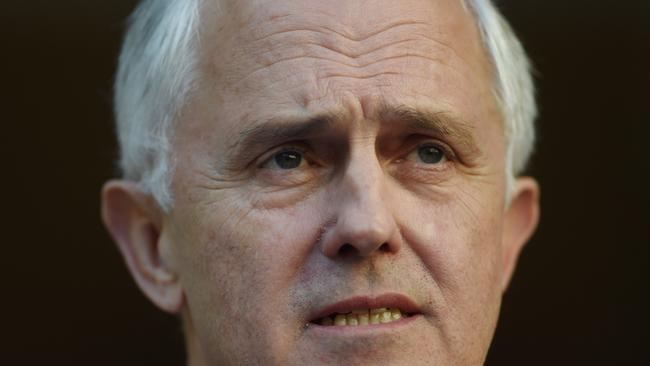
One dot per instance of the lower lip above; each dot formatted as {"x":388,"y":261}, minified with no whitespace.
{"x":360,"y":330}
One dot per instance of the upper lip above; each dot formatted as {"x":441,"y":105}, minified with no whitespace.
{"x":389,"y":300}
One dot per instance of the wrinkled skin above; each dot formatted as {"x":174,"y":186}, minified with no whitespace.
{"x":255,"y":249}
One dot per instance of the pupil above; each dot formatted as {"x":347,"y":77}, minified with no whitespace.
{"x":288,"y":159}
{"x":430,"y":154}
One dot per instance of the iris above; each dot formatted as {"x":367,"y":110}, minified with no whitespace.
{"x":430,"y":154}
{"x":288,"y":159}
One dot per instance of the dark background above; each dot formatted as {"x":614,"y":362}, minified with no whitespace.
{"x":580,"y":295}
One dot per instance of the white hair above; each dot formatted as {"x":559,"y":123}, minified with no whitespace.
{"x":154,"y":78}
{"x":514,"y":86}
{"x":157,"y":70}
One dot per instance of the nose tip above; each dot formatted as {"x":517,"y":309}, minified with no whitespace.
{"x":361,"y":232}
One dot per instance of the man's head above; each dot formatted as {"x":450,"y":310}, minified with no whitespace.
{"x":291,"y":164}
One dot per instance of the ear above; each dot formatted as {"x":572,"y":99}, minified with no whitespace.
{"x":135,"y":222}
{"x":520,"y":222}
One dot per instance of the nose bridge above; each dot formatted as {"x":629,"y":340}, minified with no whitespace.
{"x":364,"y":221}
{"x":362,"y":181}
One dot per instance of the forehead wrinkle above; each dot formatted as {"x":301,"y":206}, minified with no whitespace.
{"x":371,"y":61}
{"x":326,"y":29}
{"x":317,"y":27}
{"x":349,"y":26}
{"x":306,"y":32}
{"x":268,"y":43}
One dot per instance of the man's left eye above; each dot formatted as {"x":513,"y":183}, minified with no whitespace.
{"x":429,"y":154}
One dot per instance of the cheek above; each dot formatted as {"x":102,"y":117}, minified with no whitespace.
{"x":242,"y":261}
{"x":245,"y":251}
{"x":458,"y":237}
{"x":458,"y":241}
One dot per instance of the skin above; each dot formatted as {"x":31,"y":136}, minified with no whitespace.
{"x":250,"y":251}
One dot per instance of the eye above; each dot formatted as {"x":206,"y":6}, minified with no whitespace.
{"x":285,"y":160}
{"x":430,"y":154}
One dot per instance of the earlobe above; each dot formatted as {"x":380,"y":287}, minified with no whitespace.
{"x":136,"y":225}
{"x":520,"y":222}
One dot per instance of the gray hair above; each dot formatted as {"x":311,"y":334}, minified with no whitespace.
{"x":154,"y":78}
{"x":157,"y":70}
{"x":513,"y":86}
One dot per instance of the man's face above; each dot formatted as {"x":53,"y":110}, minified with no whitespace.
{"x":339,"y":157}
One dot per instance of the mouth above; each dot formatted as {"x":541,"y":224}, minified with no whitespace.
{"x":363,"y":317}
{"x":366,"y":311}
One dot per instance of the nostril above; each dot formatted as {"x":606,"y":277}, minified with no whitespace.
{"x":347,"y":250}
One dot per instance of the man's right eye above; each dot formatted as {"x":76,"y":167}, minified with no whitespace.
{"x":285,"y":160}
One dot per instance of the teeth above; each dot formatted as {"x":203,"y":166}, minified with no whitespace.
{"x":363,"y":317}
{"x":340,"y":320}
{"x":385,"y":317}
{"x":374,"y":318}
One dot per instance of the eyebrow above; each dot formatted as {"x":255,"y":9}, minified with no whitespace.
{"x":440,"y":123}
{"x":277,"y":130}
{"x":281,"y":129}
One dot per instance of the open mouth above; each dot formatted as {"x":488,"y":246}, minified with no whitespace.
{"x":366,"y":311}
{"x":363,"y":317}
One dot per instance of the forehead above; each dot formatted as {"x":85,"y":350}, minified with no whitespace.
{"x":312,"y":57}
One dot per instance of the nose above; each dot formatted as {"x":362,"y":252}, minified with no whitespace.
{"x":364,"y":221}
